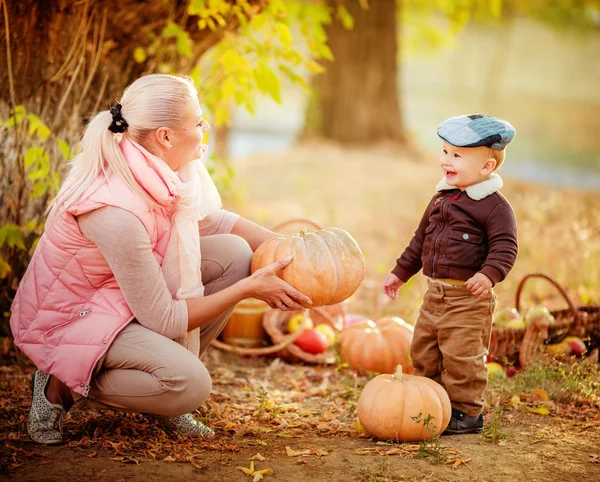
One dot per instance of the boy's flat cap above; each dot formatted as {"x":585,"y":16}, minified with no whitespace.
{"x":476,"y":130}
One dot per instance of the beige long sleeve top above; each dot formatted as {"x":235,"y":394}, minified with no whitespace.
{"x":137,"y":271}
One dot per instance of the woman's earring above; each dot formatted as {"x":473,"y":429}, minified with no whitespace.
{"x":170,"y":145}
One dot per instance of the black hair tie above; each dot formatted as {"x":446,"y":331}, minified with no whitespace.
{"x":118,"y":123}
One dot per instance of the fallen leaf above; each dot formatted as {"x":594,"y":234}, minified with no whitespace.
{"x":92,"y":455}
{"x":296,"y":453}
{"x":251,"y":472}
{"x":258,"y":457}
{"x":169,"y":458}
{"x":358,"y":427}
{"x":540,"y":410}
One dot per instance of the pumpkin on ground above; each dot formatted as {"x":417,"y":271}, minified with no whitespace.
{"x":327,"y":265}
{"x":379,"y":346}
{"x":404,"y":408}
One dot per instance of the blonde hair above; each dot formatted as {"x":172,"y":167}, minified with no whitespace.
{"x":151,"y":102}
{"x":496,"y":154}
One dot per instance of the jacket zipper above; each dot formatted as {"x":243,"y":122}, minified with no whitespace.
{"x":82,"y":313}
{"x":436,"y":244}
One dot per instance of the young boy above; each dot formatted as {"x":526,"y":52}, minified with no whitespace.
{"x":466,"y":242}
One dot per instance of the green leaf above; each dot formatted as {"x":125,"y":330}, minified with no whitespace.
{"x":267,"y":82}
{"x":34,"y":122}
{"x":197,"y":7}
{"x":63,"y":147}
{"x":285,"y":34}
{"x":30,"y":225}
{"x":294,"y":77}
{"x":4,"y":268}
{"x":43,"y":132}
{"x":38,"y":189}
{"x":32,"y":156}
{"x":55,"y":182}
{"x":140,"y":55}
{"x":17,"y":117}
{"x":12,"y":236}
{"x":345,"y":18}
{"x":37,"y":174}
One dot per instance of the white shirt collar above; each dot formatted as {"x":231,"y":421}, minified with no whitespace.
{"x":476,"y":191}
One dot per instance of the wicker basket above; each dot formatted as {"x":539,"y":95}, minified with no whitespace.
{"x":275,"y":323}
{"x":522,"y":346}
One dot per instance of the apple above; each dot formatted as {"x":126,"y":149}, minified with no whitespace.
{"x":539,"y":312}
{"x":312,"y":341}
{"x":577,"y":345}
{"x":495,"y":370}
{"x":296,"y":321}
{"x":327,"y":332}
{"x":504,"y":315}
{"x":515,"y":324}
{"x":559,"y":349}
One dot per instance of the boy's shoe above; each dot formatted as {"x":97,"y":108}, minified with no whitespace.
{"x":461,"y":423}
{"x":184,"y":425}
{"x":44,"y":424}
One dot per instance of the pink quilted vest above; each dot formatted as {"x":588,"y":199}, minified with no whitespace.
{"x":68,"y":308}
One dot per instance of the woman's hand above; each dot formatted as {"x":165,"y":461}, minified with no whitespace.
{"x":265,"y":285}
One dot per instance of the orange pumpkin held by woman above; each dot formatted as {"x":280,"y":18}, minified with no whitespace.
{"x":404,"y":408}
{"x":327,"y":265}
{"x":379,"y":346}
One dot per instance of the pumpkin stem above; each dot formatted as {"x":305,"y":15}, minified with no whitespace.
{"x":303,"y":233}
{"x":398,"y":373}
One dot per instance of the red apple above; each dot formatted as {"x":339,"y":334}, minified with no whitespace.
{"x":577,"y":345}
{"x":312,"y":341}
{"x":559,"y":349}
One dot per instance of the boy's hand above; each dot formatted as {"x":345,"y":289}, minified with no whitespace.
{"x":391,"y":285}
{"x":479,"y":284}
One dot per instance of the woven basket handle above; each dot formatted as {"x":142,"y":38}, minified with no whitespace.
{"x":298,"y":220}
{"x":553,"y":282}
{"x":267,"y":350}
{"x":331,"y":319}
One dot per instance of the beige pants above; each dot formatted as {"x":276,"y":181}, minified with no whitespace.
{"x":451,"y":339}
{"x":146,"y":372}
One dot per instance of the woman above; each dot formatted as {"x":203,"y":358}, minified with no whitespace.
{"x":138,"y":269}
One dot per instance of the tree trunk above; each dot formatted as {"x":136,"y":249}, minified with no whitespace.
{"x":356,"y":99}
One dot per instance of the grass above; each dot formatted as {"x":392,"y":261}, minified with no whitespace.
{"x":493,"y":431}
{"x":556,"y":381}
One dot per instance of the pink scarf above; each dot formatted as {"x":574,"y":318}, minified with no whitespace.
{"x":199,"y":198}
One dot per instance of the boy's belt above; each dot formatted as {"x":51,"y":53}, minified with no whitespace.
{"x":450,"y":281}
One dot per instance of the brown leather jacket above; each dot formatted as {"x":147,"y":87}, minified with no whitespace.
{"x":459,"y":236}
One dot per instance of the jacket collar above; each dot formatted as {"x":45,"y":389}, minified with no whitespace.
{"x":476,"y":191}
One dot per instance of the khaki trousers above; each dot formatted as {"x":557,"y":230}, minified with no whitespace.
{"x":451,"y":340}
{"x":145,"y":372}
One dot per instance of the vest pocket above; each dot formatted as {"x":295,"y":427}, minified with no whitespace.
{"x":83,"y":313}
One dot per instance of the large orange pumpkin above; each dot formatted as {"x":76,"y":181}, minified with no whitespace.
{"x":328,"y":266}
{"x":378,"y":346}
{"x":404,"y":408}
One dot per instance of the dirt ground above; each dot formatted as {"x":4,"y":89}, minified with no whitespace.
{"x":300,"y":421}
